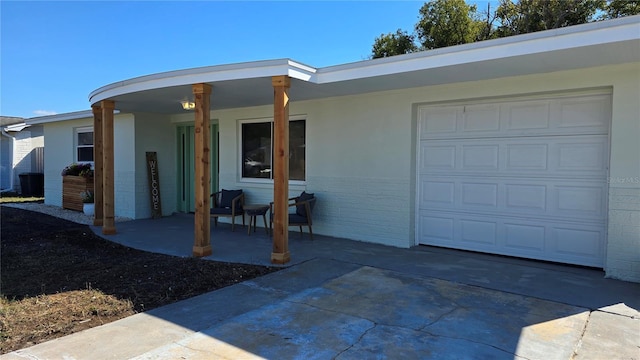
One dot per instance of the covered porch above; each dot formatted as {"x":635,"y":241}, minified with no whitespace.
{"x":173,"y":235}
{"x":104,"y":104}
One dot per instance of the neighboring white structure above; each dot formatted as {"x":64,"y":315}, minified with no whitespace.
{"x":21,"y":152}
{"x":525,"y":146}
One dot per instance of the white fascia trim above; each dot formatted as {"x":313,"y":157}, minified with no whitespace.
{"x":302,"y":72}
{"x":59,"y":117}
{"x":625,"y":29}
{"x":16,"y":127}
{"x":208,"y":74}
{"x":86,"y":114}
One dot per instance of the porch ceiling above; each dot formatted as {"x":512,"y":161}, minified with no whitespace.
{"x":249,"y":84}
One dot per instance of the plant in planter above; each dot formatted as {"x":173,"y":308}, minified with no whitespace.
{"x":88,"y":207}
{"x":76,"y":178}
{"x":78,"y":170}
{"x":87,"y":196}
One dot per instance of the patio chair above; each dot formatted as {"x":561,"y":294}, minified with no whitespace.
{"x":227,"y":203}
{"x":303,"y":215}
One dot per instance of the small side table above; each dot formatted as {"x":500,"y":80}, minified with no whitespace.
{"x":253,"y":211}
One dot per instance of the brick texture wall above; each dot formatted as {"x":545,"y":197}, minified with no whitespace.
{"x":376,"y":210}
{"x":623,"y":249}
{"x":21,"y":157}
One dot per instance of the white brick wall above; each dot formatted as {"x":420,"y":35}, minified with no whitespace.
{"x":26,"y":141}
{"x":623,"y":249}
{"x":376,"y":210}
{"x":124,"y":194}
{"x":155,"y":132}
{"x":21,"y":157}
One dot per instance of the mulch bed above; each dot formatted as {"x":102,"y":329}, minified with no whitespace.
{"x":57,"y":278}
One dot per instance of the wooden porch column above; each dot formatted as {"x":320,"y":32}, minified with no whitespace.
{"x":108,"y":206}
{"x":202,"y":238}
{"x":280,"y":253}
{"x":97,"y":165}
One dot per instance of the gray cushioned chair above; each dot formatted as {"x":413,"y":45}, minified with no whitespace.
{"x":227,"y":203}
{"x":303,"y":215}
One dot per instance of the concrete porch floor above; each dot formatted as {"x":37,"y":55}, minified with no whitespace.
{"x":343,"y":299}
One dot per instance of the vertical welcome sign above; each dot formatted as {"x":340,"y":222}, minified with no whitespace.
{"x":154,"y":184}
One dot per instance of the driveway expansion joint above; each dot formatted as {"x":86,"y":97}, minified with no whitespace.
{"x":442,"y":316}
{"x":582,"y":333}
{"x":364,"y":333}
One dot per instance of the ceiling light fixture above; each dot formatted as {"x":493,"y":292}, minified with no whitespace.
{"x":188,"y":105}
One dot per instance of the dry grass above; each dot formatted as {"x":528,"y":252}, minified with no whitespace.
{"x":33,"y":319}
{"x":19,"y":199}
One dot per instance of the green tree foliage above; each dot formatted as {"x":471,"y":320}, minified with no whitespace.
{"x":452,"y":22}
{"x":393,"y":44}
{"x":446,"y":23}
{"x":620,"y":8}
{"x":526,"y":16}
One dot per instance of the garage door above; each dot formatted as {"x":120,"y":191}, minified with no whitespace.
{"x":523,"y":177}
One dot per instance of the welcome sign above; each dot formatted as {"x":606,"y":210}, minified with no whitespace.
{"x":154,"y":184}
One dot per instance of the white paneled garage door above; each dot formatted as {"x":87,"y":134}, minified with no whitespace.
{"x":523,"y":177}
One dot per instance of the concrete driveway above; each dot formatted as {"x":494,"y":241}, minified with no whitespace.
{"x":328,"y":309}
{"x":344,"y":299}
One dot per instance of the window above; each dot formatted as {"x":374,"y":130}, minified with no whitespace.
{"x":257,"y":150}
{"x":84,"y":145}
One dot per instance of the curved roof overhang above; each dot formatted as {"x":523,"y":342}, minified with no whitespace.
{"x":249,"y":84}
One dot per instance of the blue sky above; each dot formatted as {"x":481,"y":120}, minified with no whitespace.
{"x":53,"y":54}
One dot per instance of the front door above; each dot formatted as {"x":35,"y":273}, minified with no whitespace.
{"x":186,"y":166}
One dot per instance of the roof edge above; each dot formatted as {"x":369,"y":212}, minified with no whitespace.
{"x":509,"y":40}
{"x":244,"y":70}
{"x":16,"y":127}
{"x":76,"y":115}
{"x":591,"y":34}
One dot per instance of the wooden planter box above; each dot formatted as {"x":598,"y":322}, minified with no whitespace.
{"x":72,"y":186}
